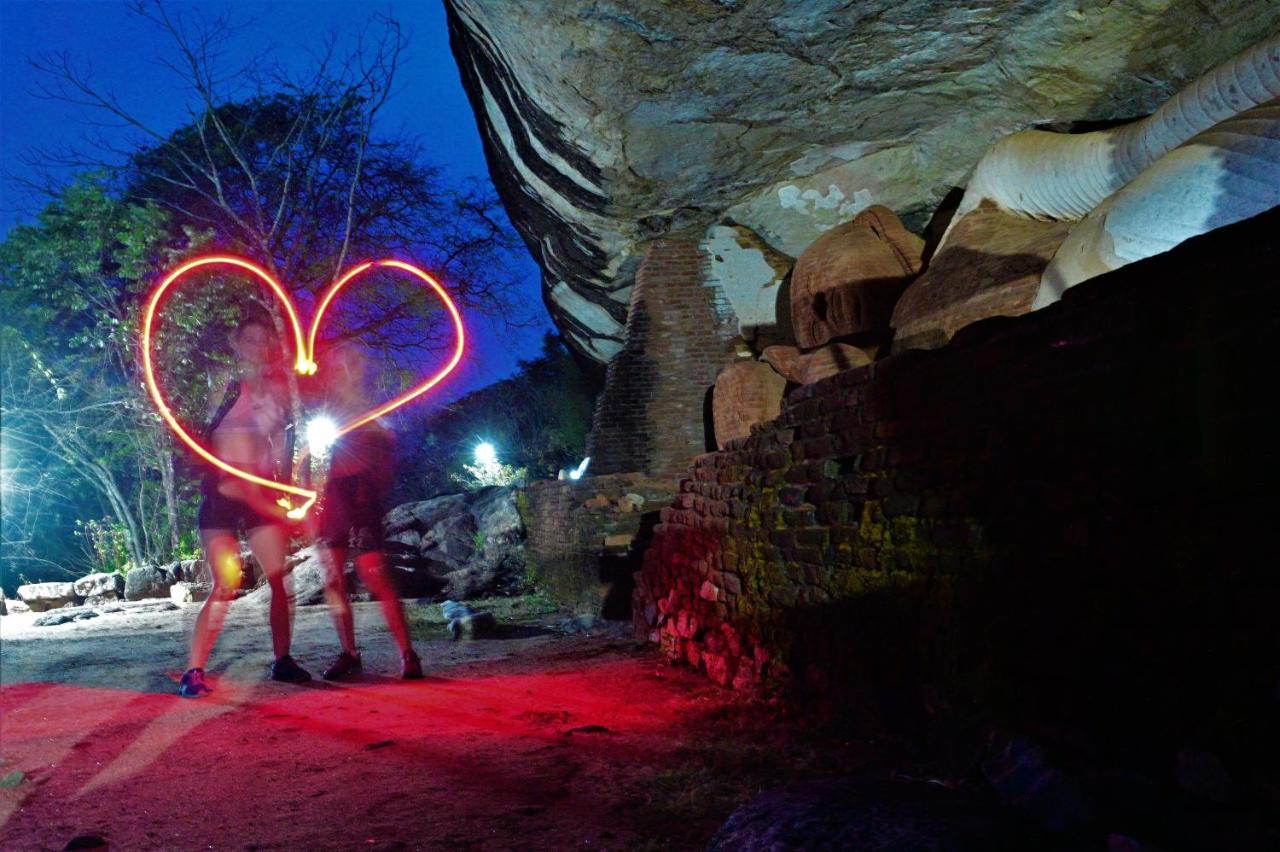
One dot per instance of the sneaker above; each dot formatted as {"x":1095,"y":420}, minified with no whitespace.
{"x":192,"y":684}
{"x":410,"y":665}
{"x":343,"y":666}
{"x":287,"y":669}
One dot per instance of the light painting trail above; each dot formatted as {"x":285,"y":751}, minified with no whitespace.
{"x":304,"y":362}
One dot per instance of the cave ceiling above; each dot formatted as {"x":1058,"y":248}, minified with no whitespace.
{"x":608,"y":124}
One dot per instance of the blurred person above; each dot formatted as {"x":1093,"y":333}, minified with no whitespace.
{"x":353,"y":502}
{"x":248,"y":428}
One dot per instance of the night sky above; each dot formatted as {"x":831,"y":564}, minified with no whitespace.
{"x":120,"y":49}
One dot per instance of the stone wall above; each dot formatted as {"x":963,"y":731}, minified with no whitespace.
{"x":584,"y":537}
{"x":649,"y":417}
{"x":1055,"y":516}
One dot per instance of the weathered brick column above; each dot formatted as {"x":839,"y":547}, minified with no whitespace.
{"x":650,"y":415}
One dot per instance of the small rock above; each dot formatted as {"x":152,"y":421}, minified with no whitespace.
{"x":625,"y":505}
{"x":16,"y":606}
{"x":147,"y":581}
{"x":1202,"y":774}
{"x":1022,"y":776}
{"x":636,"y":500}
{"x":64,"y":616}
{"x":597,"y":502}
{"x":465,"y":621}
{"x":183,"y":592}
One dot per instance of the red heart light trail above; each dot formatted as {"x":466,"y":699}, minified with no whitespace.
{"x":304,"y":362}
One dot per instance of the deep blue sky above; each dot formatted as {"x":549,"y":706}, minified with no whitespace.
{"x":121,"y":51}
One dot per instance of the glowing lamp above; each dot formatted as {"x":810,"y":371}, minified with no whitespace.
{"x":305,"y":363}
{"x":486,"y":454}
{"x":321,"y":433}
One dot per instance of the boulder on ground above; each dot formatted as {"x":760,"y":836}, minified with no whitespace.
{"x":40,"y":597}
{"x":100,"y":588}
{"x":463,"y":545}
{"x":147,"y":581}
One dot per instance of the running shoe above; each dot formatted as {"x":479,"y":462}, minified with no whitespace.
{"x":287,"y":669}
{"x":343,"y":666}
{"x":410,"y":665}
{"x":192,"y":684}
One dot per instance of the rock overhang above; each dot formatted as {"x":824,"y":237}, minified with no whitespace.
{"x":609,"y":124}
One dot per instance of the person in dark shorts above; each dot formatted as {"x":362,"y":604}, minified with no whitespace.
{"x":361,"y":469}
{"x":247,"y":428}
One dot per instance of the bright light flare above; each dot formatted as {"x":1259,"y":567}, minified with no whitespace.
{"x":577,"y":472}
{"x":321,"y":433}
{"x":486,"y":454}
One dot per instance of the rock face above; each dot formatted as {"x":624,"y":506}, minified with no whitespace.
{"x":608,"y":124}
{"x":459,"y":545}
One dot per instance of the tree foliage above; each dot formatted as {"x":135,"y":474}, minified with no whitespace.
{"x":538,"y":420}
{"x":290,"y":170}
{"x":73,"y":411}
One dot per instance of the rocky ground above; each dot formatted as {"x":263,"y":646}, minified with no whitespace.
{"x":554,"y":734}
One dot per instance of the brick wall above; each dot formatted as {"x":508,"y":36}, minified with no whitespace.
{"x":1057,"y":515}
{"x":650,"y":417}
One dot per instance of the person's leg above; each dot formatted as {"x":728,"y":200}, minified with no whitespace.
{"x":335,"y":593}
{"x":222,"y":550}
{"x":268,"y":543}
{"x":371,"y":568}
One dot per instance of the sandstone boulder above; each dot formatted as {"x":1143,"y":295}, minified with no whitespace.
{"x":805,"y":368}
{"x":40,"y":597}
{"x":746,"y":393}
{"x":990,"y":265}
{"x":848,"y":281}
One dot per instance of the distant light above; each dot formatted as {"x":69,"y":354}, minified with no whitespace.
{"x":321,"y":433}
{"x":577,"y":472}
{"x":486,"y":454}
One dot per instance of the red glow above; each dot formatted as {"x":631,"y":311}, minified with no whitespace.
{"x":304,"y":362}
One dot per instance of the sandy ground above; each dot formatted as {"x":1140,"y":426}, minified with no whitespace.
{"x":535,"y":740}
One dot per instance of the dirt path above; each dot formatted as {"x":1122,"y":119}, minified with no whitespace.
{"x":536,"y":740}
